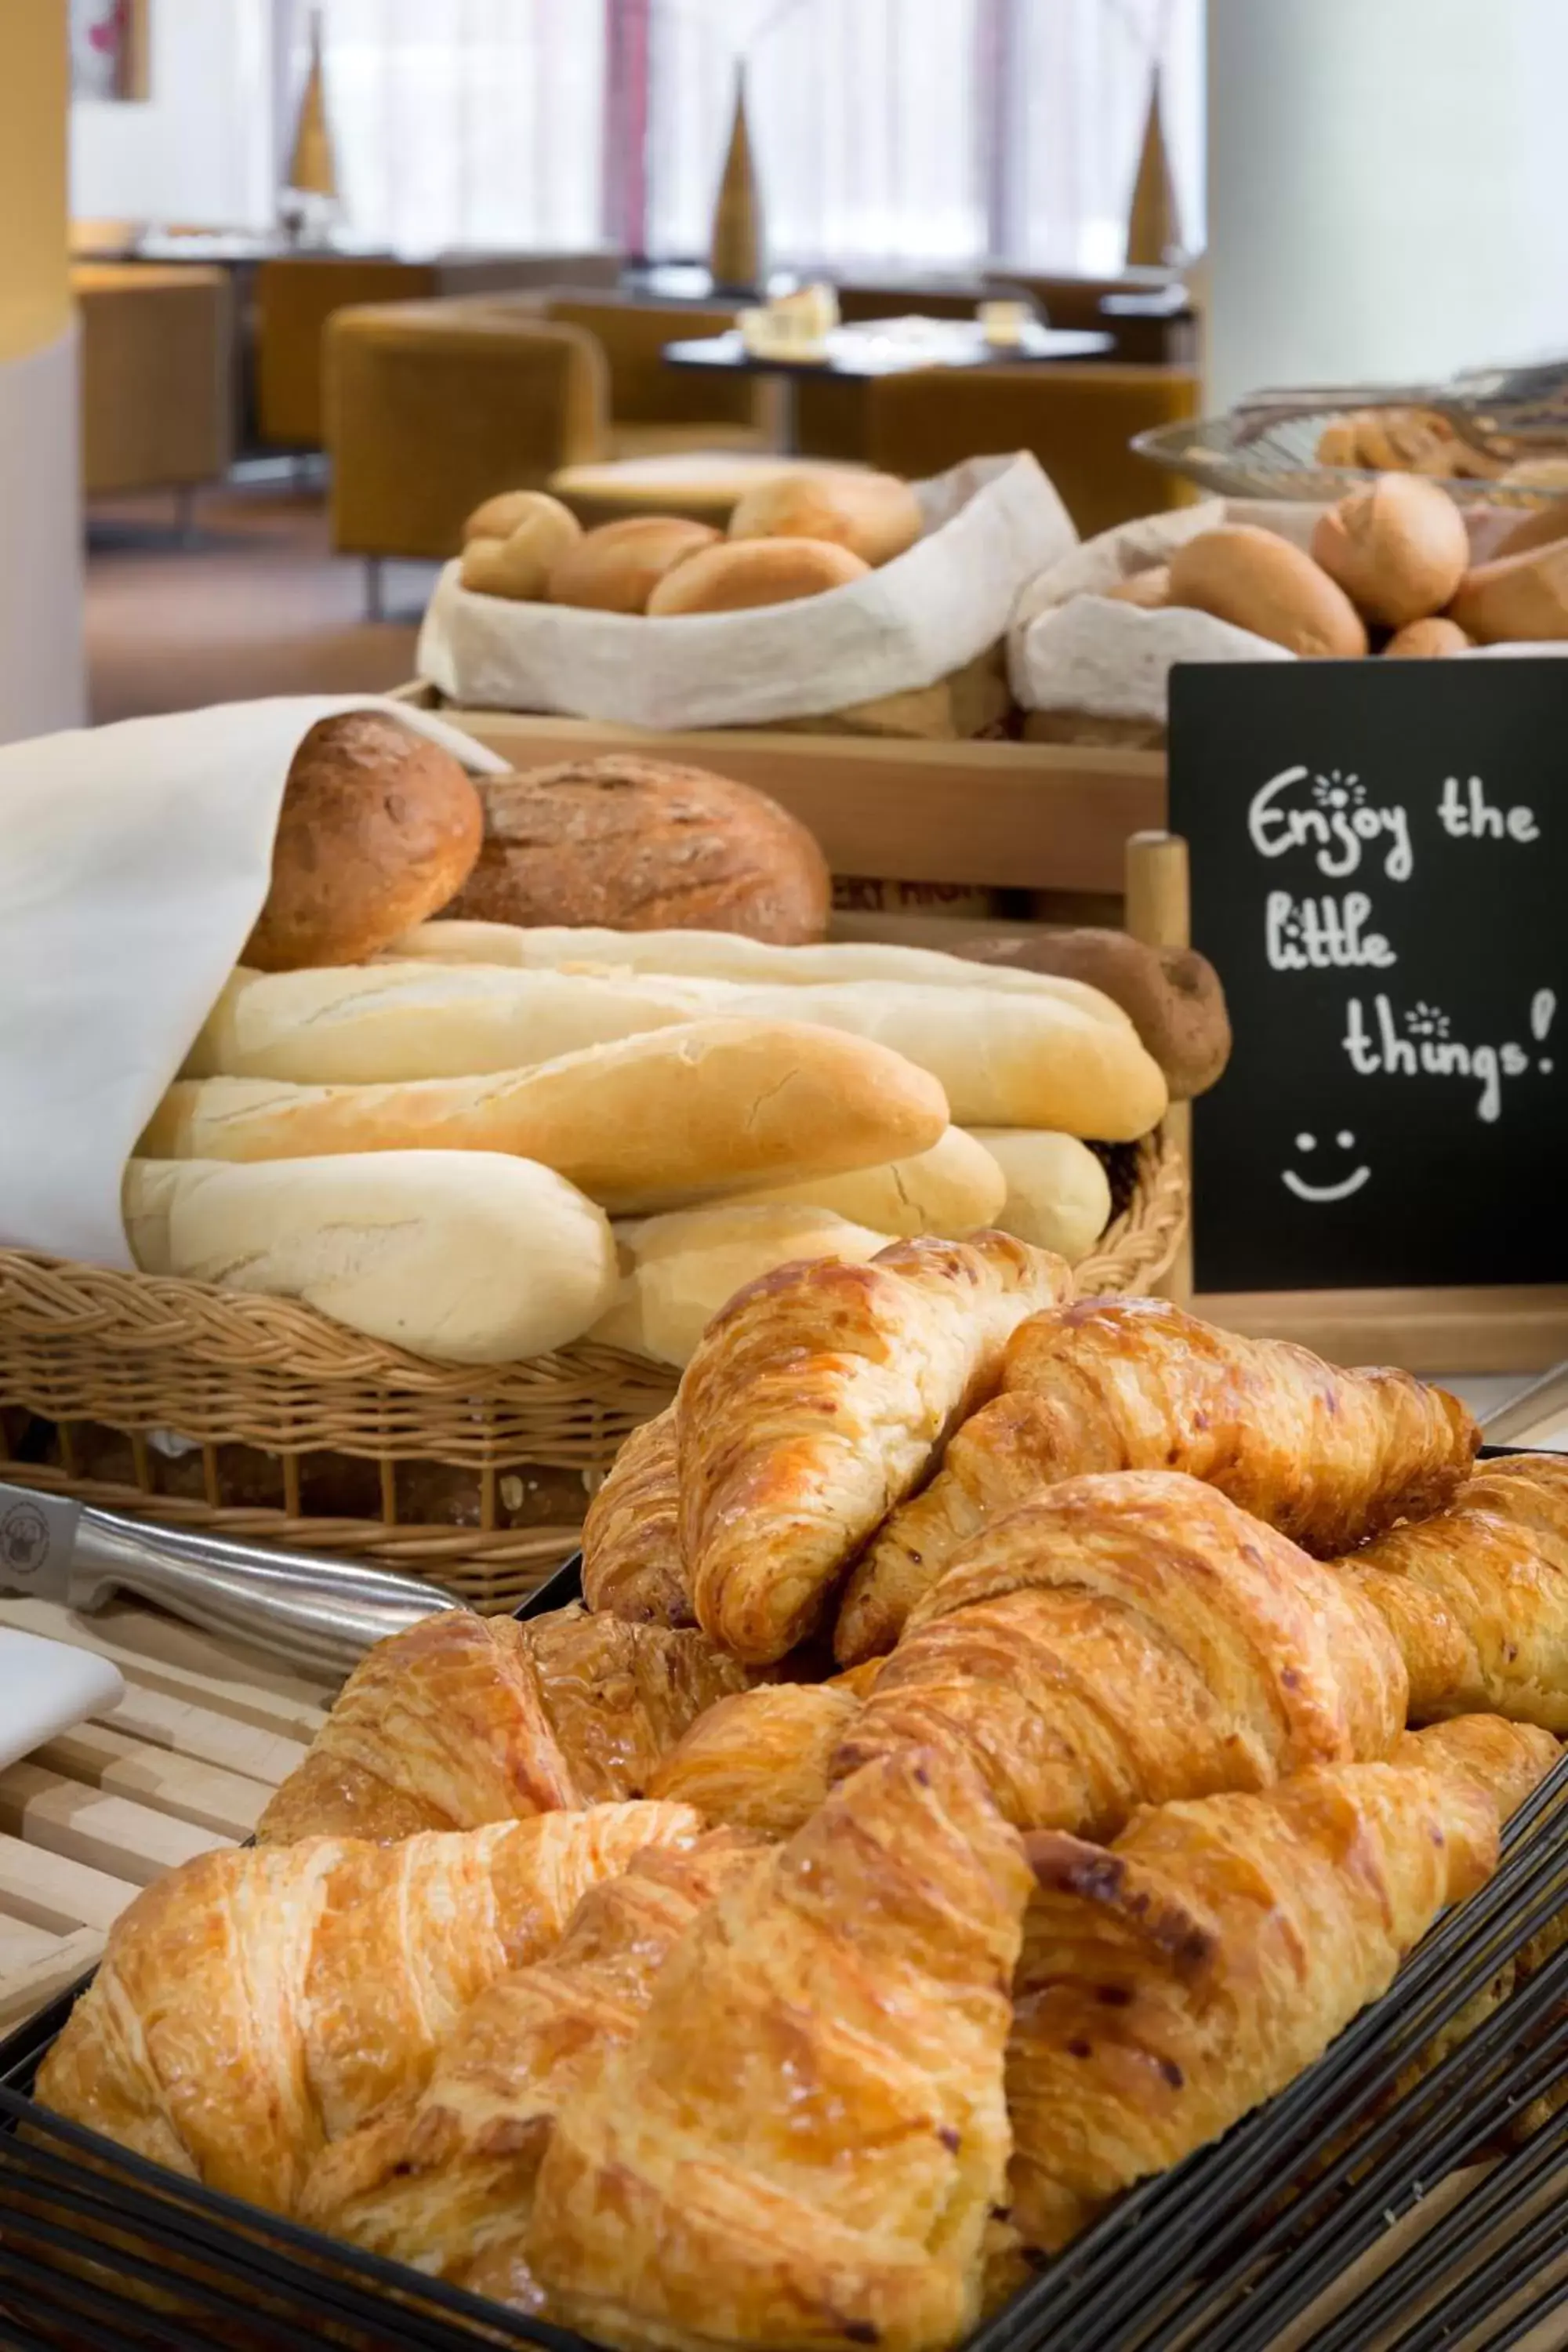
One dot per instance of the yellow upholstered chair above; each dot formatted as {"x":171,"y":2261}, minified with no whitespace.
{"x":159,"y":389}
{"x":295,"y":296}
{"x":1077,"y":421}
{"x":656,"y":410}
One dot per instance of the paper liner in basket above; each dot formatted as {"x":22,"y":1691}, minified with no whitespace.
{"x":992,"y":525}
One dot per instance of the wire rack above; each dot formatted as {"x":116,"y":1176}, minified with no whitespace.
{"x":1281,"y":461}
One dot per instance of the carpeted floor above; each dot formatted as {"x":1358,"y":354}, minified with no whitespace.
{"x":256,"y":604}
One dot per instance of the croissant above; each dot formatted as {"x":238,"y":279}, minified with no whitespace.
{"x":462,"y":1720}
{"x":257,"y":2003}
{"x":445,"y":2180}
{"x":760,"y":1760}
{"x":1329,"y":1457}
{"x":1477,"y":1597}
{"x":1168,"y":1986}
{"x":816,"y":1401}
{"x":803,"y":2142}
{"x":631,"y":1535}
{"x":1126,"y":1640}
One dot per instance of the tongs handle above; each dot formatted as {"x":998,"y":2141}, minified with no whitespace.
{"x":1528,"y":1407}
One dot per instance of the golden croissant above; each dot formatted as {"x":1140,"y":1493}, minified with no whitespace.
{"x":760,"y":1760}
{"x":631,"y":1535}
{"x":803,"y":2140}
{"x":1329,"y":1457}
{"x":255,"y":2004}
{"x":816,"y":1401}
{"x":462,"y":1720}
{"x":444,"y":2181}
{"x":1170,"y":1984}
{"x":1128,"y":1638}
{"x":1477,"y":1597}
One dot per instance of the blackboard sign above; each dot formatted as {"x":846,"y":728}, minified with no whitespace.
{"x":1380,"y":874}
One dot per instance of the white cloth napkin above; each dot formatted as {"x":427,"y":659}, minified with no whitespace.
{"x":133,"y":861}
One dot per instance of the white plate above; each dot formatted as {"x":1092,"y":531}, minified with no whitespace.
{"x":48,"y":1686}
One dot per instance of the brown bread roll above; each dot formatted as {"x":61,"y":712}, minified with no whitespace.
{"x":511,"y":544}
{"x":1149,"y":590}
{"x":637,"y":845}
{"x":1541,"y":528}
{"x":616,"y":568}
{"x":1172,"y":995}
{"x":1398,"y":548}
{"x":875,"y":516}
{"x":378,"y":827}
{"x":731,"y":579}
{"x":1257,"y":580}
{"x":1520,"y":599}
{"x":1430,"y":640}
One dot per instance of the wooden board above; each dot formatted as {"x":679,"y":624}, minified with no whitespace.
{"x":185,"y":1763}
{"x":1524,"y":1329}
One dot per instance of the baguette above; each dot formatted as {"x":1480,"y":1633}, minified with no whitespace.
{"x":951,"y":1191}
{"x":470,"y":1258}
{"x":1058,"y":1195}
{"x":648,"y":1123}
{"x":680,"y":1270}
{"x":1011,"y":1061}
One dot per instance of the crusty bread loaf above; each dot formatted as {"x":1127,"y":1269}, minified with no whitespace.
{"x":875,"y":516}
{"x":951,"y":1191}
{"x":379,"y":827}
{"x":1257,"y":580}
{"x":1149,"y":590}
{"x":1398,"y":547}
{"x":505,"y":516}
{"x":637,"y":844}
{"x":653,"y":1122}
{"x":1519,"y":600}
{"x":616,"y":568}
{"x":1172,"y":995}
{"x":1433,"y":639}
{"x":470,"y":1257}
{"x":678,"y":1271}
{"x":1058,"y":1195}
{"x":737,"y":578}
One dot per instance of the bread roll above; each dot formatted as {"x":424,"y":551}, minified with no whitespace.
{"x":468,"y":1257}
{"x":1149,"y":590}
{"x":616,"y":568}
{"x":678,"y":1271}
{"x":951,"y":1191}
{"x":1518,"y":600}
{"x":731,"y":579}
{"x":378,"y":828}
{"x":1537,"y":474}
{"x":1172,"y":995}
{"x":1430,"y":640}
{"x":1257,"y":581}
{"x":652,"y":1122}
{"x":530,"y":535}
{"x":1543,"y":527}
{"x":506,"y":517}
{"x":875,"y":516}
{"x":636,"y":844}
{"x":1398,"y":548}
{"x":1058,"y":1195}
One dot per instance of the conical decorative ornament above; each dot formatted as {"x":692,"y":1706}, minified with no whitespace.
{"x":736,"y":252}
{"x":312,"y":167}
{"x":1154,"y":224}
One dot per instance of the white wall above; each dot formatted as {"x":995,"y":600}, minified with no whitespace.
{"x":1386,"y":188}
{"x":201,"y":151}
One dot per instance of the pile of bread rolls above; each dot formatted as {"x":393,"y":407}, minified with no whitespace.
{"x":1390,"y":571}
{"x":1423,"y":441}
{"x":795,"y":534}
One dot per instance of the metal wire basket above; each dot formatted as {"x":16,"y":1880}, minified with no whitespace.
{"x":1280,"y":460}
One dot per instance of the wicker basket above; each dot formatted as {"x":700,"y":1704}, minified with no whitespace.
{"x":254,"y":1416}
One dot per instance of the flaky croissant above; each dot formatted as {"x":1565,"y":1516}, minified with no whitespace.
{"x":462,"y":1720}
{"x":631,"y":1535}
{"x":444,"y":2181}
{"x":1130,"y":1639}
{"x":1477,"y":1597}
{"x":1170,"y":1984}
{"x":1329,"y":1457}
{"x":816,"y":1401}
{"x":760,"y":1760}
{"x":803,"y":2142}
{"x":255,"y":2004}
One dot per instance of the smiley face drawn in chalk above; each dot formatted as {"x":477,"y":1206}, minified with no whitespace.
{"x":1339,"y":1191}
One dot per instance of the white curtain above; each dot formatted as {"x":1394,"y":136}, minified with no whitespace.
{"x":465,"y":122}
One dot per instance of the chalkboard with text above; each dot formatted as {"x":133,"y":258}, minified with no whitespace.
{"x":1380,"y":874}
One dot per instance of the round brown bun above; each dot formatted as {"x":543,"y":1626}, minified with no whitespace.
{"x":532,"y":534}
{"x":875,"y":516}
{"x":1257,"y":580}
{"x":631,"y":845}
{"x":1398,"y":548}
{"x":499,"y":517}
{"x":616,"y":568}
{"x":377,"y":829}
{"x":1149,"y":590}
{"x":1541,"y":526}
{"x":1433,"y":639}
{"x":729,"y":579}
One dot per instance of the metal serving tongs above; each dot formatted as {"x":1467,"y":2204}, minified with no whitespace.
{"x":317,"y":1611}
{"x":1527,"y":1408}
{"x":1503,"y":412}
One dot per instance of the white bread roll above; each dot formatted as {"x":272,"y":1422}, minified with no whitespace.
{"x":1058,"y":1195}
{"x":678,"y":1271}
{"x":1002,"y":1060}
{"x":952,"y":1189}
{"x":468,"y":1257}
{"x":736,"y":578}
{"x":651,"y":1122}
